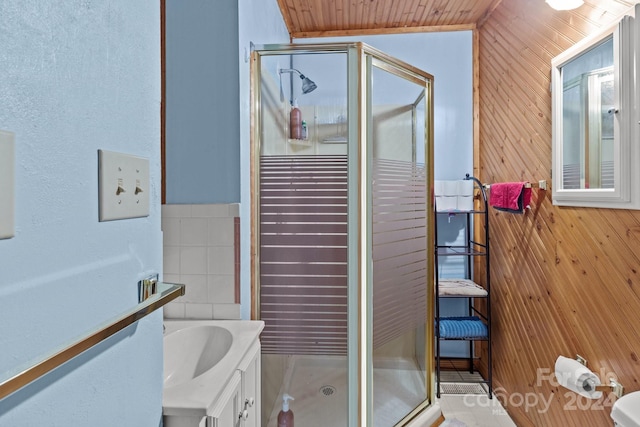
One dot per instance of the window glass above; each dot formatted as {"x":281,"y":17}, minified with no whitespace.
{"x":587,"y":115}
{"x":595,"y":102}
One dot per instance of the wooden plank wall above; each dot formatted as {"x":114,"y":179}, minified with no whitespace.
{"x":564,"y":280}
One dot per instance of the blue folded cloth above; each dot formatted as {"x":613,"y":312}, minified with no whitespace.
{"x":462,"y":327}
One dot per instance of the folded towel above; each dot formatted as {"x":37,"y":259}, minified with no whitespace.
{"x":511,"y":197}
{"x":462,"y":327}
{"x":460,"y":287}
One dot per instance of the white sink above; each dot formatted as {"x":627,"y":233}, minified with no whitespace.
{"x":200,"y":357}
{"x":190,"y":352}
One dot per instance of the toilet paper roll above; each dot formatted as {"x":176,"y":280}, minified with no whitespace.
{"x":465,"y":188}
{"x":465,"y":203}
{"x":438,"y":188}
{"x":450,"y":188}
{"x":446,"y":204}
{"x":576,"y":377}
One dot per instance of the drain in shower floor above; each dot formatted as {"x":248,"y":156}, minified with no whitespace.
{"x":327,"y":390}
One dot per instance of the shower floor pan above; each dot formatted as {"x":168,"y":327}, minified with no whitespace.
{"x":319,"y":386}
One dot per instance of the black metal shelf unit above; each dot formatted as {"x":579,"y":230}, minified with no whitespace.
{"x":476,"y":324}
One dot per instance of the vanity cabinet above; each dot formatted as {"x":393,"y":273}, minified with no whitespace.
{"x":227,"y":411}
{"x":250,"y":372}
{"x":239,"y":403}
{"x":215,"y":383}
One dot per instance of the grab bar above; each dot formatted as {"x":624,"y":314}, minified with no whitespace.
{"x":166,"y":292}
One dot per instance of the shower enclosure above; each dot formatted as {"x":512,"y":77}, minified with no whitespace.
{"x":342,"y":234}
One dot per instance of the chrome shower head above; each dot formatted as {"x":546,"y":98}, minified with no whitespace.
{"x":307,"y":84}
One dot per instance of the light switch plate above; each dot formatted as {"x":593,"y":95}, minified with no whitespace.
{"x":7,"y":184}
{"x":123,"y":186}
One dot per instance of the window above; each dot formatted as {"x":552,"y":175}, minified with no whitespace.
{"x":595,"y":147}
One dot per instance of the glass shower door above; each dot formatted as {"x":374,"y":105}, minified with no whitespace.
{"x":303,"y":238}
{"x":341,"y":237}
{"x":397,"y":140}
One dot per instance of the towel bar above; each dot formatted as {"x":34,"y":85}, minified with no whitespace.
{"x":166,"y":293}
{"x":542,"y":185}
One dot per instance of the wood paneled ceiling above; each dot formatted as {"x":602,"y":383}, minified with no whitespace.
{"x":317,"y":18}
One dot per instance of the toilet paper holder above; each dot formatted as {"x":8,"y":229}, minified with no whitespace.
{"x":613,"y":387}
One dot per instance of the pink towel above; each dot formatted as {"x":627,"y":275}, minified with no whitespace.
{"x":510,"y":196}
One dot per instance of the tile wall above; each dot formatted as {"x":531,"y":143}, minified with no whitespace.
{"x":201,"y":244}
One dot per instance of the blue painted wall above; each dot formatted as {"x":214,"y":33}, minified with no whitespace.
{"x":78,"y":76}
{"x":202,"y":85}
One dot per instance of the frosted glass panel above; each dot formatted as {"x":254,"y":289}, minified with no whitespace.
{"x":399,"y":245}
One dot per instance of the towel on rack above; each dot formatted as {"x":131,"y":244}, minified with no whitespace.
{"x":511,"y":197}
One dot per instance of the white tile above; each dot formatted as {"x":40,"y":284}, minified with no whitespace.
{"x":198,"y":311}
{"x":454,"y":422}
{"x":226,"y":311}
{"x":176,"y":211}
{"x":506,"y":421}
{"x":170,"y":231}
{"x":170,"y":278}
{"x":171,"y":260}
{"x":221,"y":289}
{"x":193,"y":232}
{"x":221,"y":232}
{"x":174,"y":310}
{"x":208,"y":211}
{"x":475,"y":411}
{"x":444,"y":404}
{"x":195,"y":288}
{"x":499,"y":413}
{"x":221,"y":260}
{"x":193,"y":260}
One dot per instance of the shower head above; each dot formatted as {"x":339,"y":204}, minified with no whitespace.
{"x":307,"y":84}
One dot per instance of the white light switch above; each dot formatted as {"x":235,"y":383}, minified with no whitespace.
{"x":123,"y":185}
{"x":7,"y":184}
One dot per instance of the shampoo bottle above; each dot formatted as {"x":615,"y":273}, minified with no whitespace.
{"x":295,"y":122}
{"x":285,"y":417}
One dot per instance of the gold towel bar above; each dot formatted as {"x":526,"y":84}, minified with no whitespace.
{"x":166,"y":293}
{"x":542,"y":185}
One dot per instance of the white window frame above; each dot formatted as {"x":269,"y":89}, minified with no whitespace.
{"x":626,"y":191}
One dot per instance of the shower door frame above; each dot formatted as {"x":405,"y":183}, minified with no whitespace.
{"x":360,"y":60}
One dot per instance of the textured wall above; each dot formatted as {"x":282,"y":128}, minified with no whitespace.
{"x":78,"y":76}
{"x":564,"y":280}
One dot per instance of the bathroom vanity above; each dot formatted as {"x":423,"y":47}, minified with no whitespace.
{"x":211,"y":373}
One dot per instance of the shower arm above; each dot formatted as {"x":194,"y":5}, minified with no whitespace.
{"x":308,"y":85}
{"x":291,"y":70}
{"x":281,"y":71}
